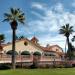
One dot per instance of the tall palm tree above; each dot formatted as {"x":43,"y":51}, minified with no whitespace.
{"x":13,"y":17}
{"x":66,"y":30}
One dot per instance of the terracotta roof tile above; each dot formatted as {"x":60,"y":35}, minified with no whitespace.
{"x":41,"y":47}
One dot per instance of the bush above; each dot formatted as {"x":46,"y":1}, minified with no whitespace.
{"x":60,"y":66}
{"x":4,"y":66}
{"x":33,"y":66}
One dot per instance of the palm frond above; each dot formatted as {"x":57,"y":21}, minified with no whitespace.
{"x":7,"y":17}
{"x":5,"y":20}
{"x":21,"y":21}
{"x":12,"y":10}
{"x":15,"y":14}
{"x":66,"y":30}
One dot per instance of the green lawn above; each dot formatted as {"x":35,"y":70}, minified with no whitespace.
{"x":67,"y":71}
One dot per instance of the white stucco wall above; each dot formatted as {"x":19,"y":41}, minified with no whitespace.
{"x":21,"y":47}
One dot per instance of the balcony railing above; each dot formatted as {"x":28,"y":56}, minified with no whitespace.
{"x":22,"y":58}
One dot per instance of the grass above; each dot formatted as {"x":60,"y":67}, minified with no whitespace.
{"x":63,"y":71}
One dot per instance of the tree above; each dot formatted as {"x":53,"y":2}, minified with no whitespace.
{"x":16,"y":37}
{"x":14,"y":17}
{"x":70,"y":53}
{"x":2,"y":37}
{"x":21,"y":37}
{"x":66,"y":30}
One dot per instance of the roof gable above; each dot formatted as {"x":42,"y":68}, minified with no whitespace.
{"x":24,"y":40}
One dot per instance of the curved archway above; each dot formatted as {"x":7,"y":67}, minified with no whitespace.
{"x":10,"y":52}
{"x":37,"y":53}
{"x":25,"y":53}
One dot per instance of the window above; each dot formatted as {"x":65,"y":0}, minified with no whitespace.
{"x":25,"y":53}
{"x":10,"y":52}
{"x":50,"y":54}
{"x":25,"y":43}
{"x":37,"y":53}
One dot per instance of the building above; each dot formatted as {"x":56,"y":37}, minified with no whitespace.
{"x":31,"y":47}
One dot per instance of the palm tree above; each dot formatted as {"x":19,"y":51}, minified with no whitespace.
{"x":66,"y":30}
{"x":13,"y":18}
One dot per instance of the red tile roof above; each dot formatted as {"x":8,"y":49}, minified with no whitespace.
{"x":49,"y":48}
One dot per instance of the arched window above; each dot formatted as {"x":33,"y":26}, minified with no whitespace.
{"x":10,"y":52}
{"x":37,"y":53}
{"x":25,"y":53}
{"x":52,"y":54}
{"x":49,"y":54}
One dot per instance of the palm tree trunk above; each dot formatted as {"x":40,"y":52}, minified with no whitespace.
{"x":13,"y":49}
{"x":65,"y":63}
{"x":68,"y":42}
{"x":0,"y":42}
{"x":65,"y":45}
{"x":69,"y":51}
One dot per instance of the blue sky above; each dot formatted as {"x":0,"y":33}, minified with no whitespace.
{"x":43,"y":19}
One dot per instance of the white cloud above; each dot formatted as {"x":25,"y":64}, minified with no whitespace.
{"x":49,"y":23}
{"x":58,"y":8}
{"x":54,"y":17}
{"x":38,"y":5}
{"x":37,"y":14}
{"x":57,"y":40}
